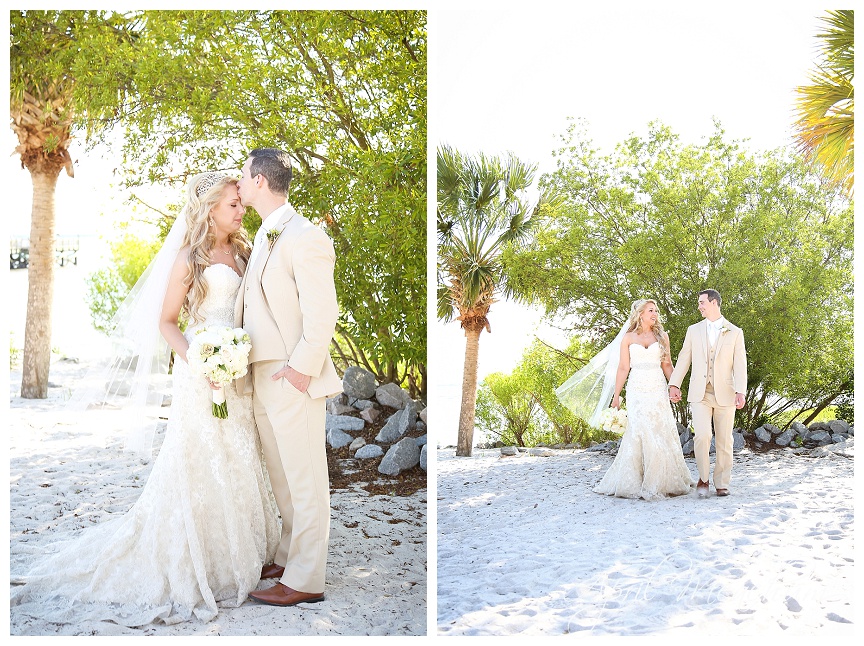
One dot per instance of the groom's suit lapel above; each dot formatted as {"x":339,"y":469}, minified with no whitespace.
{"x":280,"y":227}
{"x":706,"y":347}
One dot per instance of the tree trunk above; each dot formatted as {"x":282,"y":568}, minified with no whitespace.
{"x":40,"y":287}
{"x":469,"y":393}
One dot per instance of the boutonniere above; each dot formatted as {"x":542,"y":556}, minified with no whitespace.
{"x":723,"y":329}
{"x":272,"y":235}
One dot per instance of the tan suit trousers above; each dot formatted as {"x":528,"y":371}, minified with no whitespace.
{"x":291,"y":427}
{"x":723,"y":417}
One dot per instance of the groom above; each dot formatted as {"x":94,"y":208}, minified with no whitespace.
{"x":718,"y":382}
{"x":287,"y":304}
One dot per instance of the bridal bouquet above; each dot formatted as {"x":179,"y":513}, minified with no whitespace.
{"x":615,"y":420}
{"x":221,"y":354}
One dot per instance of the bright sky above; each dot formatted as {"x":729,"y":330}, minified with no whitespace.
{"x":507,"y":80}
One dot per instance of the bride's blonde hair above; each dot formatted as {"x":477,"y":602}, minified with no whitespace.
{"x":635,"y":325}
{"x":203,"y":193}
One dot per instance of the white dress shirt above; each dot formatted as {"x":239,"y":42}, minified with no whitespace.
{"x":268,"y":224}
{"x":714,"y":330}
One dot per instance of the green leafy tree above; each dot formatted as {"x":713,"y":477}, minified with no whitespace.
{"x":826,"y":108}
{"x":482,"y":209}
{"x":663,"y":220}
{"x":343,"y":92}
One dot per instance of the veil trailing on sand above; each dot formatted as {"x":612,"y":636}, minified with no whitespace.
{"x":134,"y":378}
{"x":589,"y":392}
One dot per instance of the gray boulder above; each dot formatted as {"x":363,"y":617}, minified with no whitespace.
{"x":785,"y":437}
{"x":798,"y":428}
{"x":370,"y":414}
{"x":509,"y":450}
{"x":423,"y":415}
{"x":402,"y":455}
{"x":541,"y":452}
{"x":763,"y":434}
{"x":369,"y":451}
{"x":421,"y":441}
{"x":820,"y":426}
{"x":423,"y":457}
{"x":392,"y":395}
{"x":737,"y":441}
{"x":772,"y":429}
{"x":398,"y":424}
{"x":356,"y":444}
{"x":819,"y":437}
{"x":358,"y":383}
{"x":687,"y":449}
{"x":838,"y":426}
{"x":343,"y":423}
{"x":363,"y":404}
{"x":337,"y":408}
{"x":338,"y":438}
{"x":420,"y":426}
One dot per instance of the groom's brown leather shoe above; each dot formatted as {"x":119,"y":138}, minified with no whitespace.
{"x":722,"y":492}
{"x":702,"y":489}
{"x":272,"y":571}
{"x":282,"y":595}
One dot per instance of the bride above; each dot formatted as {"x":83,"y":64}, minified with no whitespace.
{"x":205,"y":522}
{"x":649,"y":463}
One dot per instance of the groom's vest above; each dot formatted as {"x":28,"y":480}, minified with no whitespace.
{"x":261,"y":327}
{"x":712,"y":352}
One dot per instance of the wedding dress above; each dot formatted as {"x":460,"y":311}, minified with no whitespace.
{"x":649,"y":463}
{"x":200,"y":532}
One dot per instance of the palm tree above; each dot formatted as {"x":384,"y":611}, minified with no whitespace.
{"x":481,"y":210}
{"x":825,"y":126}
{"x":42,"y":120}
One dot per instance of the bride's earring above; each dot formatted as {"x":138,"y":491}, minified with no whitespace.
{"x":211,"y":222}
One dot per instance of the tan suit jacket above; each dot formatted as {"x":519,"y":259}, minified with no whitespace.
{"x":287,"y":304}
{"x":730,"y":364}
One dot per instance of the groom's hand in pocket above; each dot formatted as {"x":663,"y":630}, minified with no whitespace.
{"x":297,"y":379}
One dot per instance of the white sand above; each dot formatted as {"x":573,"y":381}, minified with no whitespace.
{"x":63,"y":479}
{"x":525,"y":547}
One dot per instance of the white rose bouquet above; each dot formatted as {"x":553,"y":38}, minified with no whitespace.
{"x":614,"y":420}
{"x":221,"y":354}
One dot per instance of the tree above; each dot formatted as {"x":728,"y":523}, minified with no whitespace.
{"x":44,"y":107}
{"x":482,"y":209}
{"x":663,"y":220}
{"x":344,"y":92}
{"x":825,"y":126}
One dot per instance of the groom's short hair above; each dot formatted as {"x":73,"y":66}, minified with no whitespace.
{"x":713,"y":295}
{"x":275,"y":165}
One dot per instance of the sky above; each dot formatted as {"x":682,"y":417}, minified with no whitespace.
{"x":507,"y":81}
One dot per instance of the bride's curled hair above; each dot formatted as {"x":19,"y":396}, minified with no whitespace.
{"x":203,"y":193}
{"x":635,"y":325}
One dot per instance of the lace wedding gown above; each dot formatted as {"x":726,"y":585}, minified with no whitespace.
{"x":649,"y":463}
{"x":199,"y":534}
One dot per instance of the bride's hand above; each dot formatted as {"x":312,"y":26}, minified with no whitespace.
{"x":214,"y":386}
{"x":616,"y":402}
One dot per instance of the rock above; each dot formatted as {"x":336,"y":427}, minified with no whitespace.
{"x":335,"y":408}
{"x":420,"y":426}
{"x":343,"y":423}
{"x":838,"y":437}
{"x":402,"y":455}
{"x":820,"y":426}
{"x":682,"y":429}
{"x":737,"y":441}
{"x":684,"y":437}
{"x":338,"y":438}
{"x":423,"y":415}
{"x":799,"y":429}
{"x":363,"y":404}
{"x":370,"y":414}
{"x":772,"y":429}
{"x":423,"y":457}
{"x":712,"y":450}
{"x":369,"y":451}
{"x":358,"y":383}
{"x":792,"y":605}
{"x":356,"y":444}
{"x":819,"y":437}
{"x":785,"y":437}
{"x":421,"y":441}
{"x":541,"y":451}
{"x":763,"y":434}
{"x":687,"y":449}
{"x":509,"y":450}
{"x":838,"y":426}
{"x":392,"y":395}
{"x":606,"y":446}
{"x":399,"y":423}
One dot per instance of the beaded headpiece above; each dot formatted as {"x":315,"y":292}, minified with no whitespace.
{"x":209,"y":180}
